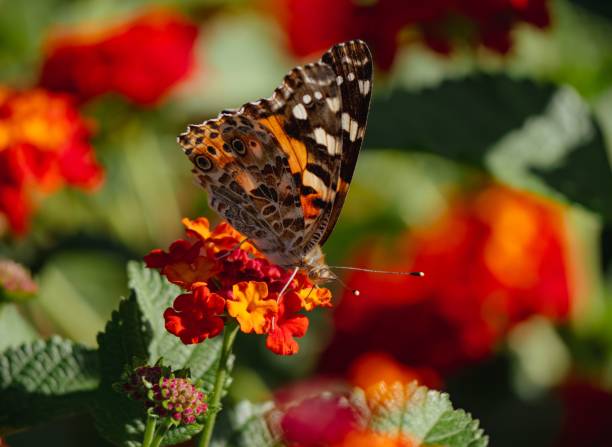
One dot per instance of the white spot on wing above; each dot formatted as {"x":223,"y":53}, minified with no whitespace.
{"x":334,"y":104}
{"x":346,"y":120}
{"x":307,"y":99}
{"x":327,"y":140}
{"x":318,"y":95}
{"x":350,"y":125}
{"x":299,"y":111}
{"x":350,"y":76}
{"x":339,"y":80}
{"x":354,"y":128}
{"x":314,"y":182}
{"x":364,"y":87}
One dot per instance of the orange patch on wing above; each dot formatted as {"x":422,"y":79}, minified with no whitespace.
{"x":221,"y":158}
{"x":295,"y":149}
{"x":310,"y":210}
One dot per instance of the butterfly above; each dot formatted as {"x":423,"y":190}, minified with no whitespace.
{"x":279,"y":169}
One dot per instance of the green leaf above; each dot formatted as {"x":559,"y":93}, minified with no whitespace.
{"x":422,"y":415}
{"x":136,"y":331}
{"x":249,"y":427}
{"x":43,"y":380}
{"x":14,"y":328}
{"x":533,"y":135}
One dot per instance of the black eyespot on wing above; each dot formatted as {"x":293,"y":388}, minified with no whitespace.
{"x":203,"y":163}
{"x":238,"y":146}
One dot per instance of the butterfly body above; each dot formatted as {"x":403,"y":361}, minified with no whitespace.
{"x":279,"y":169}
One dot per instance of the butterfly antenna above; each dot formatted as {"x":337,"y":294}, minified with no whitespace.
{"x":355,"y":292}
{"x":384,"y":272}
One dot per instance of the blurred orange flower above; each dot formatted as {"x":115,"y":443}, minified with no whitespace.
{"x":315,"y":25}
{"x":44,"y":144}
{"x":371,"y":439}
{"x":371,"y":368}
{"x":220,"y":259}
{"x":495,"y":258}
{"x":141,"y":59}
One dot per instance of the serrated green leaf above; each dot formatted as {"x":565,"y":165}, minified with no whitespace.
{"x":533,"y":135}
{"x":249,"y":428}
{"x":44,"y":380}
{"x":423,"y":416}
{"x":181,"y":434}
{"x":127,"y":336}
{"x":136,"y":331}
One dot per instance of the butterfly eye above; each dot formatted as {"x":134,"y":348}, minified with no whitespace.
{"x":238,"y":146}
{"x":203,"y":163}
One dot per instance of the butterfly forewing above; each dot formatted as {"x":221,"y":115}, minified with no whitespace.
{"x":279,"y":168}
{"x":352,"y":63}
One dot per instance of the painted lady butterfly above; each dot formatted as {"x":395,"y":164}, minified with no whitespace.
{"x":279,"y":169}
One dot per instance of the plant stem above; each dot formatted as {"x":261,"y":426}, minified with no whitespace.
{"x":149,"y":431}
{"x":161,"y":433}
{"x":229,"y":334}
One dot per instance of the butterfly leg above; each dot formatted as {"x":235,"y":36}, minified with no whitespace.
{"x":235,"y":247}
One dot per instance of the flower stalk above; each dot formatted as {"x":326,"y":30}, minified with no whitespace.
{"x":229,"y":335}
{"x":149,"y":431}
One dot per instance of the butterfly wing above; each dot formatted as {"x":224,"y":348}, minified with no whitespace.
{"x":248,"y":180}
{"x":279,"y":168}
{"x":352,"y":63}
{"x":322,"y":108}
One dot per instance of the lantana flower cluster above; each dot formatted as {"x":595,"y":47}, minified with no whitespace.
{"x":315,"y":25}
{"x":44,"y":144}
{"x":497,"y":257}
{"x":224,"y":278}
{"x":140,"y":59}
{"x":16,"y":282}
{"x":166,"y":394}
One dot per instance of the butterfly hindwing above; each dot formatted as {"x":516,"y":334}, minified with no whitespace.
{"x":247,"y":177}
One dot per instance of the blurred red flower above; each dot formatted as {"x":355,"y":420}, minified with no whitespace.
{"x":314,"y":25}
{"x":497,"y":257}
{"x":44,"y":144}
{"x":326,"y":413}
{"x":141,"y":59}
{"x":244,"y":286}
{"x":587,"y":415}
{"x":323,"y":420}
